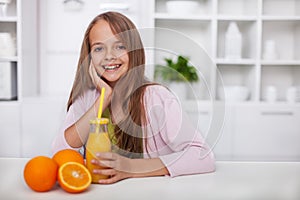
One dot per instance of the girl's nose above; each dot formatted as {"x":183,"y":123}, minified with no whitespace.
{"x":110,"y":55}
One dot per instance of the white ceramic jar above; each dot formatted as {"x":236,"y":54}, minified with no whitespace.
{"x":7,"y":45}
{"x":270,"y":52}
{"x":292,"y":94}
{"x":271,"y":94}
{"x":233,"y":42}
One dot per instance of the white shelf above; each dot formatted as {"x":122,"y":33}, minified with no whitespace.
{"x":258,"y":21}
{"x":280,"y":18}
{"x":235,"y":62}
{"x":8,"y":19}
{"x":281,"y":62}
{"x":181,"y":17}
{"x":9,"y":59}
{"x":236,"y":18}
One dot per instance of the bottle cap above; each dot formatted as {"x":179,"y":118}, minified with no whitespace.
{"x":99,"y":121}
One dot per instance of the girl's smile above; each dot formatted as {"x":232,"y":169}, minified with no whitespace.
{"x":111,"y":67}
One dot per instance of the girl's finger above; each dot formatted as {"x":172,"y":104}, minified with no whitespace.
{"x":108,"y":172}
{"x":111,"y":180}
{"x":107,"y":163}
{"x":93,"y":74}
{"x":106,"y":155}
{"x":103,"y":163}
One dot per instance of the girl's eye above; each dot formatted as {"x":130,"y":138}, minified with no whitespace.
{"x":121,"y":47}
{"x":97,"y":49}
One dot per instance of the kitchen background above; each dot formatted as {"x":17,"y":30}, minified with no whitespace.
{"x":259,"y":71}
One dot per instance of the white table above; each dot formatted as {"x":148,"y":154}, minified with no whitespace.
{"x":232,"y":180}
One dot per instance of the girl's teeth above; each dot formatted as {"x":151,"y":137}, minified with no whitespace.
{"x":111,"y":67}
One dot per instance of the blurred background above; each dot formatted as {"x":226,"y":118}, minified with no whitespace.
{"x":246,"y":55}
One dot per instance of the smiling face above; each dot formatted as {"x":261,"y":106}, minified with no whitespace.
{"x":109,"y":55}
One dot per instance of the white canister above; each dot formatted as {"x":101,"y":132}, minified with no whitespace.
{"x":233,"y":42}
{"x":270,"y":52}
{"x":271,"y":94}
{"x":8,"y":81}
{"x":3,"y":7}
{"x":7,"y":45}
{"x":291,"y":94}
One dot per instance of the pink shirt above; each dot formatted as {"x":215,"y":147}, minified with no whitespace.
{"x":170,"y":134}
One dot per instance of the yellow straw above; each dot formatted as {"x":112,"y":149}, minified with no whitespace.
{"x":100,"y":109}
{"x":101,"y":103}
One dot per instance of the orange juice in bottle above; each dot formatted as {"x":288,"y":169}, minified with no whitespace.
{"x":98,"y":141}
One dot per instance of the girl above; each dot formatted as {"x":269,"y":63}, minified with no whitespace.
{"x":151,"y":135}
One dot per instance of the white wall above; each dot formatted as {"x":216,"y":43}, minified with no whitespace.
{"x":61,"y":34}
{"x":41,"y":119}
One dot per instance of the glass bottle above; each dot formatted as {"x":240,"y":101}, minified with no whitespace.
{"x":98,"y":141}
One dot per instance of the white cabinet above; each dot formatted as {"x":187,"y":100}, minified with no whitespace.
{"x":259,"y":21}
{"x":253,"y":132}
{"x":267,"y":133}
{"x":215,"y":126}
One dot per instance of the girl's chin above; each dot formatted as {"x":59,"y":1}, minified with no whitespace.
{"x":110,"y":78}
{"x":113,"y":76}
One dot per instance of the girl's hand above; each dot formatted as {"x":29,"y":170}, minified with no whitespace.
{"x":99,"y":83}
{"x":117,"y":167}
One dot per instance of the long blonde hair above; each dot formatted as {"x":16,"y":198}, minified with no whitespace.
{"x":130,"y":88}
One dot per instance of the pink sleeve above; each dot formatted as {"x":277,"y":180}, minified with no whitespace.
{"x":189,"y":153}
{"x":77,"y":110}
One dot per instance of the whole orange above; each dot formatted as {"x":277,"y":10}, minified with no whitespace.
{"x":40,"y":173}
{"x":67,"y":155}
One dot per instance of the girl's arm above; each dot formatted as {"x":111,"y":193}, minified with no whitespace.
{"x":77,"y":134}
{"x":184,"y":151}
{"x":148,"y":167}
{"x":120,"y":167}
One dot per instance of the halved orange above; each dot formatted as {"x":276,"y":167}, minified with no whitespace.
{"x":74,"y":177}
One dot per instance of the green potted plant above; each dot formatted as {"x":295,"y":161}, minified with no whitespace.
{"x":177,"y":71}
{"x":177,"y":74}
